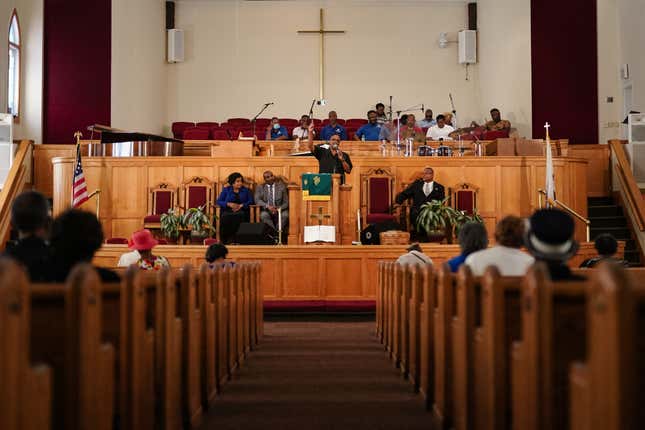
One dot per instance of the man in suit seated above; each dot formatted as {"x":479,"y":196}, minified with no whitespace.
{"x":421,"y":191}
{"x":273,"y":196}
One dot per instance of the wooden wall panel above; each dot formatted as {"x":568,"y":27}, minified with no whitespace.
{"x":343,"y":278}
{"x":168,"y":174}
{"x":599,"y":167}
{"x":129,"y":192}
{"x":122,"y":227}
{"x":303,"y":282}
{"x":43,"y":168}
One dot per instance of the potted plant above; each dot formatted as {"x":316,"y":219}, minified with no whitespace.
{"x":199,"y":223}
{"x":171,"y":223}
{"x":462,"y":218}
{"x":437,"y":219}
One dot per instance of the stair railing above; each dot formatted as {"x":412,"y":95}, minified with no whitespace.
{"x":566,"y":208}
{"x":630,"y":190}
{"x":19,"y":175}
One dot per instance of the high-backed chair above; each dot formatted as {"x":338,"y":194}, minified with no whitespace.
{"x":463,"y":197}
{"x":254,"y":210}
{"x":196,"y":192}
{"x":377,"y":196}
{"x":208,"y":124}
{"x":161,"y":198}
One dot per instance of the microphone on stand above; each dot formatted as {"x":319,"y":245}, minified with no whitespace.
{"x":269,"y":104}
{"x":423,"y":108}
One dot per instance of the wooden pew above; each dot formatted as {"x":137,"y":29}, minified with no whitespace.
{"x":427,"y":308}
{"x":553,"y":336}
{"x":606,"y":390}
{"x":66,"y":334}
{"x":209,"y":334}
{"x":25,"y":390}
{"x":443,"y":365}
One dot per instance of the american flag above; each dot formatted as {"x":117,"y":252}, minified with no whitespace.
{"x":79,"y":187}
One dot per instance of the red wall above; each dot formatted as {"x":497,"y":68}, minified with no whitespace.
{"x":77,"y":55}
{"x":565,"y":69}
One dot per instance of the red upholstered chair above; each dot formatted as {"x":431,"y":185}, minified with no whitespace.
{"x":239,"y":122}
{"x":289,"y":123}
{"x":338,"y":120}
{"x":248,"y":132}
{"x":492,"y":135}
{"x":208,"y":124}
{"x":219,"y":134}
{"x":116,"y":241}
{"x":196,"y":133}
{"x":351,"y":131}
{"x":179,"y":127}
{"x":196,"y":192}
{"x":161,"y":241}
{"x":210,"y":241}
{"x":377,"y":196}
{"x":463,"y":197}
{"x":161,"y":198}
{"x":355,"y":122}
{"x":317,"y":122}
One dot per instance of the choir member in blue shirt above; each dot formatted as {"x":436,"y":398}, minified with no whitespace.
{"x":275,"y":131}
{"x":333,"y":128}
{"x":371,"y":130}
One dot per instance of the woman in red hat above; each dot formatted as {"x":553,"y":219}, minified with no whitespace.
{"x":143,"y":242}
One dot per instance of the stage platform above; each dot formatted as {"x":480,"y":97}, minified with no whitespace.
{"x":327,"y":273}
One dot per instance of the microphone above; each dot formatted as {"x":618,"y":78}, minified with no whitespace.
{"x":268,"y":104}
{"x":423,"y":108}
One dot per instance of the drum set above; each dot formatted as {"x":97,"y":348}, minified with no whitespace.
{"x":428,"y":151}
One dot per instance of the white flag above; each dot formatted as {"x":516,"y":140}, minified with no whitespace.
{"x":549,"y":185}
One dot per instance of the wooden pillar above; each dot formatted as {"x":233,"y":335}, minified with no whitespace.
{"x":63,"y":177}
{"x":295,"y":223}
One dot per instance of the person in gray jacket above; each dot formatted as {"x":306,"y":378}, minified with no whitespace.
{"x":414,"y":256}
{"x":273,"y":196}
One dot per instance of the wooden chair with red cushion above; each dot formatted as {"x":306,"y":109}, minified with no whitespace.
{"x":463,"y":197}
{"x":196,"y":192}
{"x":161,"y":198}
{"x":116,"y":241}
{"x":254,"y":210}
{"x":377,"y":196}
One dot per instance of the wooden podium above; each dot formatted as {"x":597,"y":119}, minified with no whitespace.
{"x":336,"y":212}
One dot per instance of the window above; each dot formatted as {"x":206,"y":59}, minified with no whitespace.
{"x":13,"y":102}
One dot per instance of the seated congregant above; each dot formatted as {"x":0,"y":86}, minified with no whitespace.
{"x":506,"y":254}
{"x":302,"y":131}
{"x":472,"y":238}
{"x":143,"y":242}
{"x":371,"y":130}
{"x":30,"y":217}
{"x":428,"y":121}
{"x":606,"y":245}
{"x":273,"y":196}
{"x":333,"y":128}
{"x":275,"y":131}
{"x":216,"y":256}
{"x":441,"y":131}
{"x":234,"y":202}
{"x":331,"y":159}
{"x":421,"y":191}
{"x":411,"y":129}
{"x":381,"y":116}
{"x":496,"y":123}
{"x":414,"y":256}
{"x":75,"y":238}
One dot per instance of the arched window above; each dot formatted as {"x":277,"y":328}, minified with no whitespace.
{"x":13,"y":102}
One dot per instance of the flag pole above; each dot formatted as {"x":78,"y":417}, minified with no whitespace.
{"x":550,"y":179}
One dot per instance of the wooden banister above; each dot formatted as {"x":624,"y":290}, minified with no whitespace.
{"x":13,"y":185}
{"x":633,"y":197}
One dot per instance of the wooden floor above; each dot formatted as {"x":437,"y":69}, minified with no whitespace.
{"x":318,"y":375}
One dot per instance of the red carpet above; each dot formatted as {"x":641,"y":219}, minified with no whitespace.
{"x":297,"y":306}
{"x":318,"y":375}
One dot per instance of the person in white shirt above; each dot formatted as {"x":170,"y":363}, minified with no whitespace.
{"x":302,"y":131}
{"x":441,"y":131}
{"x":506,"y":254}
{"x":128,"y":259}
{"x":414,"y":256}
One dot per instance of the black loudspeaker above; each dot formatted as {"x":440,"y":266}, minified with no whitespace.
{"x":255,"y":233}
{"x":472,"y":16}
{"x":370,"y":234}
{"x":170,"y":15}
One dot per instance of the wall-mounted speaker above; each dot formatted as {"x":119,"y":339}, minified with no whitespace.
{"x":175,"y":45}
{"x":467,"y":47}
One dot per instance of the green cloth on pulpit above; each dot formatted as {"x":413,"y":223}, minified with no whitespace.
{"x":316,"y":186}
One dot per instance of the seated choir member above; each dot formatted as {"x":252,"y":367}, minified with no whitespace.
{"x":333,"y":128}
{"x":550,"y":239}
{"x":371,"y":130}
{"x":389,"y":131}
{"x":75,"y":238}
{"x":411,"y":129}
{"x":142,"y":241}
{"x":302,"y":131}
{"x":421,"y":191}
{"x":273,"y":196}
{"x":496,"y":123}
{"x":30,"y":217}
{"x":331,"y":159}
{"x":415,"y":256}
{"x":441,"y":131}
{"x":216,"y":256}
{"x":381,"y":116}
{"x":275,"y":131}
{"x":428,"y":121}
{"x":472,"y":238}
{"x":506,"y":254}
{"x":606,"y":245}
{"x":234,"y":202}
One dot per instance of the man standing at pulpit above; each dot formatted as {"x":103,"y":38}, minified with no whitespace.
{"x":272,"y":196}
{"x":421,"y":191}
{"x":332,"y":159}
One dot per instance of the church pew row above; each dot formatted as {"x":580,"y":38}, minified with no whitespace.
{"x":149,"y":340}
{"x":471,"y":335}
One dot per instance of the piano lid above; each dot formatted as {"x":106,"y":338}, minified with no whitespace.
{"x":114,"y":135}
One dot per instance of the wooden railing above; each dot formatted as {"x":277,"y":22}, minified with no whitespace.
{"x":553,"y":202}
{"x":631,"y":192}
{"x":19,"y":175}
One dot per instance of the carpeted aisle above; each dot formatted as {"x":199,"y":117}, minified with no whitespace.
{"x":318,"y":375}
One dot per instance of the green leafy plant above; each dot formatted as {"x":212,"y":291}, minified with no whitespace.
{"x":437,"y":217}
{"x":198,"y":221}
{"x":462,"y":218}
{"x":171,"y":222}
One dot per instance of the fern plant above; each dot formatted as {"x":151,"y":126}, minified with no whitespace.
{"x":437,"y":216}
{"x":198,"y":221}
{"x":462,"y":218}
{"x":171,"y":222}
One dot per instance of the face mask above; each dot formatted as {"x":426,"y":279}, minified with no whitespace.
{"x":276,"y":126}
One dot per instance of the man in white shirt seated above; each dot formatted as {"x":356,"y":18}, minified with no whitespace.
{"x":506,"y":254}
{"x":441,"y":131}
{"x":302,"y":131}
{"x":129,"y":258}
{"x":414,"y":256}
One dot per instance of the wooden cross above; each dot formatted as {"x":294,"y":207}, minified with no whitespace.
{"x":321,"y":31}
{"x":320,"y":216}
{"x":547,"y":126}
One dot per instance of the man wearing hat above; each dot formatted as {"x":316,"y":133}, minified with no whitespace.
{"x":414,"y":256}
{"x":550,"y":239}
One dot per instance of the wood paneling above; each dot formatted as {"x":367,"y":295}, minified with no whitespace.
{"x":307,"y":280}
{"x":343,"y":277}
{"x":598,"y":169}
{"x":43,"y":168}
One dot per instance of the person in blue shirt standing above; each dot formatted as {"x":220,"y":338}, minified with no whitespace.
{"x":371,"y":130}
{"x":333,"y":128}
{"x":275,"y":131}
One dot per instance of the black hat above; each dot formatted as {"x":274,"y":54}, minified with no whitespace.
{"x":550,"y":235}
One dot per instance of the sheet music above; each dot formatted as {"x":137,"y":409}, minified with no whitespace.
{"x":322,"y":233}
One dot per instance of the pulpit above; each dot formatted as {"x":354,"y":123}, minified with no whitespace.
{"x":333,"y":212}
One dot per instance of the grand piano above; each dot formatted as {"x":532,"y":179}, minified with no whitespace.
{"x":120,"y":143}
